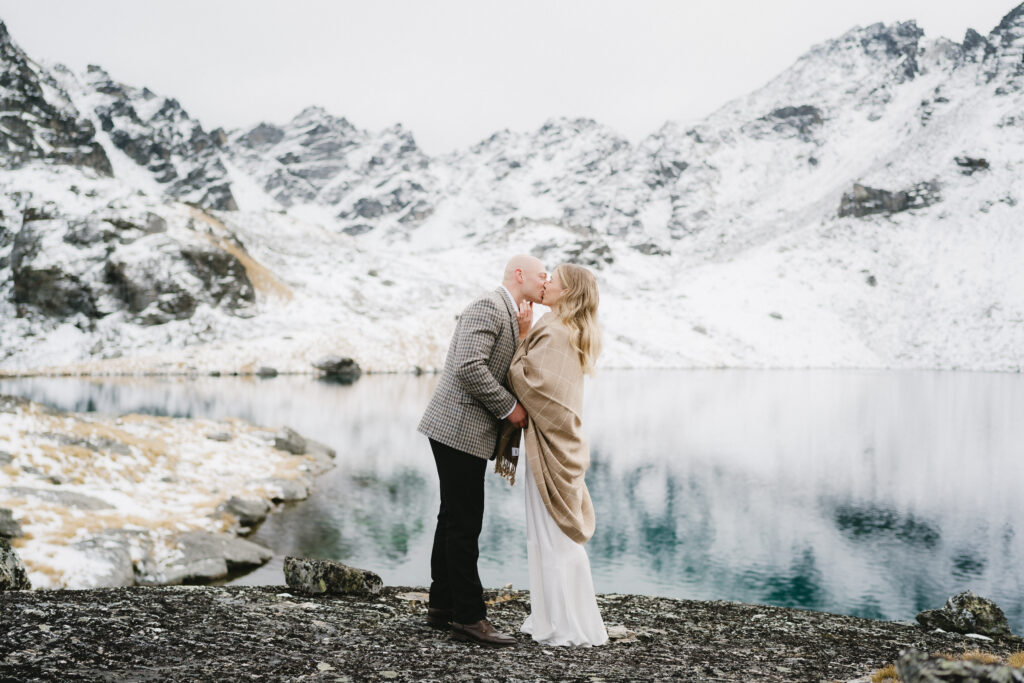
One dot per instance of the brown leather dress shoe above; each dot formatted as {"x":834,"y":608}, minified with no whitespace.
{"x":439,"y":618}
{"x":482,"y":632}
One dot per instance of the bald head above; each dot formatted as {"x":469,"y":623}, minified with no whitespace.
{"x":525,"y":277}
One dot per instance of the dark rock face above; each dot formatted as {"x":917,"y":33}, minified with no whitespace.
{"x":899,"y":43}
{"x":13,"y":576}
{"x":864,"y":201}
{"x":96,"y":265}
{"x":800,"y":121}
{"x":35,"y":127}
{"x":317,"y":577}
{"x":46,"y":283}
{"x":262,"y":633}
{"x":968,"y":613}
{"x":969,"y":165}
{"x":915,"y":666}
{"x":165,"y":141}
{"x":344,"y":370}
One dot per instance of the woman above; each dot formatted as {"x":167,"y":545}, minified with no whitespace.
{"x":546,"y":376}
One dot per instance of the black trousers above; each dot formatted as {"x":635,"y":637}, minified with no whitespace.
{"x":454,"y":580}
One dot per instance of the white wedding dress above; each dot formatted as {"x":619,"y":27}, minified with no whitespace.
{"x":563,"y":606}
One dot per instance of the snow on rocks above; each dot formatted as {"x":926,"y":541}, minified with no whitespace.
{"x":135,"y":499}
{"x":358,"y":243}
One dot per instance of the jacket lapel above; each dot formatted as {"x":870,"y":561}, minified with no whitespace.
{"x":512,"y":313}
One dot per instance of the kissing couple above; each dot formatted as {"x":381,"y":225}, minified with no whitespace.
{"x":504,"y":378}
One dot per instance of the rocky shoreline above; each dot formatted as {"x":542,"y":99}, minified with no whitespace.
{"x":90,"y":500}
{"x":188,"y":633}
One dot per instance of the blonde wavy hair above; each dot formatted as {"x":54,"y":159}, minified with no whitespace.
{"x":577,"y":309}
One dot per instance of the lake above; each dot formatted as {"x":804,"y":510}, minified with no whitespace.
{"x":871,"y":493}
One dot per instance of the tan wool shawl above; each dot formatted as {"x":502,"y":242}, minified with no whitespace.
{"x":547,"y":378}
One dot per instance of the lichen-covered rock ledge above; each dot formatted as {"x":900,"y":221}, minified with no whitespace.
{"x":269,"y":633}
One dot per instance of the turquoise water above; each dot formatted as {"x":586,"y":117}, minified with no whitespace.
{"x":873,"y":493}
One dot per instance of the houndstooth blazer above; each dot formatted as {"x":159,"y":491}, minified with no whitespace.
{"x":472,"y":395}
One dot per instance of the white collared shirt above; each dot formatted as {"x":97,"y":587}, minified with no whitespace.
{"x":515,"y":307}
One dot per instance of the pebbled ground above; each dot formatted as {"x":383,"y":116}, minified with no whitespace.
{"x":189,"y":633}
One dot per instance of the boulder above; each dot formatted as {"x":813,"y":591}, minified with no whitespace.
{"x":249,"y":511}
{"x":968,"y":613}
{"x":290,"y":440}
{"x":968,"y":165}
{"x":9,"y":527}
{"x":111,"y":558}
{"x":207,"y":556}
{"x":344,"y":370}
{"x":864,"y":201}
{"x":13,"y":576}
{"x":326,"y":576}
{"x":266,"y":371}
{"x":914,"y":666}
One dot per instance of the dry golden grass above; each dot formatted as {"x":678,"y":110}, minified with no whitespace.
{"x":981,"y":657}
{"x":1016,"y":660}
{"x":55,"y":575}
{"x":264,"y":281}
{"x":63,"y":453}
{"x":151,"y":449}
{"x":71,"y":527}
{"x":887,"y":673}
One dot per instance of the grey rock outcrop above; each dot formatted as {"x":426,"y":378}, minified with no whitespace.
{"x":125,"y":263}
{"x":968,"y":613}
{"x":864,"y":201}
{"x":207,"y":556}
{"x":344,"y":370}
{"x":12,"y":572}
{"x":9,"y":527}
{"x":249,"y":511}
{"x":800,"y":121}
{"x":326,"y":576}
{"x":69,"y":499}
{"x":915,"y":666}
{"x":290,"y":441}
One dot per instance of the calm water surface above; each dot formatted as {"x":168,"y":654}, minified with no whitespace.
{"x":872,"y":493}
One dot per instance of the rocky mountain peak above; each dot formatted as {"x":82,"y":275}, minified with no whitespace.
{"x":899,"y":41}
{"x":1007,"y":40}
{"x":41,"y":123}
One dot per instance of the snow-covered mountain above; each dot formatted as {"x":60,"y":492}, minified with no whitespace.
{"x":860,"y":209}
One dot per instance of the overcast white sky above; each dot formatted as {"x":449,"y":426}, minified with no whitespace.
{"x":456,"y":71}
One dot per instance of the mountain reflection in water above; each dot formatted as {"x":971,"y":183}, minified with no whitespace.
{"x":873,"y":493}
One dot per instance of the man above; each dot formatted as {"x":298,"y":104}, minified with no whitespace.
{"x":461,"y":422}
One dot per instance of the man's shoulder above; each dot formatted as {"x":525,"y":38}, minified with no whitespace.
{"x":488,"y":301}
